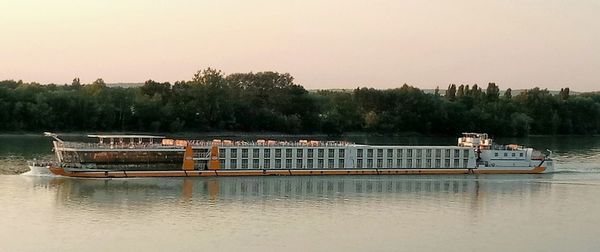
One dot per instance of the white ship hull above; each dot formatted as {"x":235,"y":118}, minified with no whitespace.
{"x":475,"y":154}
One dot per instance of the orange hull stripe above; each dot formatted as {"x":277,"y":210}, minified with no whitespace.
{"x":208,"y":173}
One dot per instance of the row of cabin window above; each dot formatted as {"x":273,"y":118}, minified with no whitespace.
{"x":341,"y":153}
{"x":310,"y":164}
{"x":413,"y":163}
{"x":277,"y":164}
{"x":233,"y":153}
{"x":409,"y":153}
{"x":512,"y":154}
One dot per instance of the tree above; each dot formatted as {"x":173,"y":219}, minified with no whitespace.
{"x":271,"y":101}
{"x":152,"y":88}
{"x":492,"y":92}
{"x":461,"y":91}
{"x":76,"y":83}
{"x":508,"y":94}
{"x":451,"y":92}
{"x":564,"y":94}
{"x":99,"y":82}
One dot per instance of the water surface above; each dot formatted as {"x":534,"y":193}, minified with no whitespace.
{"x":547,"y":212}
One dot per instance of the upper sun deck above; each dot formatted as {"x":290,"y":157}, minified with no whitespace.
{"x":126,"y":136}
{"x":257,"y":143}
{"x":155,"y":142}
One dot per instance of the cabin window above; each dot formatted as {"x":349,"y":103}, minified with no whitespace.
{"x":299,"y":164}
{"x":278,"y":163}
{"x":379,"y":163}
{"x":369,"y":163}
{"x":359,"y":153}
{"x":438,"y":153}
{"x":428,"y":163}
{"x":505,"y":154}
{"x":456,"y":162}
{"x":342,"y":153}
{"x":288,"y":153}
{"x":409,"y":163}
{"x":255,"y":164}
{"x":244,"y":163}
{"x":255,"y":153}
{"x":419,"y":163}
{"x":359,"y":163}
{"x":465,"y":162}
{"x":379,"y":153}
{"x":419,"y":153}
{"x":299,"y":153}
{"x":309,"y":164}
{"x":447,"y":163}
{"x":447,"y":153}
{"x":267,"y":164}
{"x":321,"y":163}
{"x":521,"y":154}
{"x":267,"y":153}
{"x":330,"y":163}
{"x":321,"y":153}
{"x":233,"y":163}
{"x":310,"y":153}
{"x":233,"y":153}
{"x":222,"y":162}
{"x":390,"y":163}
{"x":398,"y":163}
{"x":409,"y":153}
{"x":495,"y":154}
{"x":399,"y":153}
{"x":428,"y":153}
{"x":456,"y":153}
{"x":341,"y":163}
{"x":221,"y":153}
{"x":390,"y":153}
{"x":438,"y":163}
{"x":288,"y":163}
{"x":513,"y":154}
{"x":244,"y":153}
{"x":369,"y":152}
{"x":330,"y":153}
{"x":278,"y":153}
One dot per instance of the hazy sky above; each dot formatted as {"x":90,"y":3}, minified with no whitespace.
{"x":323,"y":44}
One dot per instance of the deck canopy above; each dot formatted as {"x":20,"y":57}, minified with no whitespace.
{"x":127,"y":136}
{"x":132,"y":138}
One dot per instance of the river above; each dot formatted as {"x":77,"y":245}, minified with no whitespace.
{"x":546,"y":212}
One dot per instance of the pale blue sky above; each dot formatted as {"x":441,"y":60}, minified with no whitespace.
{"x":324,"y":44}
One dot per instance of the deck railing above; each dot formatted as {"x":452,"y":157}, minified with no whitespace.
{"x":196,"y":143}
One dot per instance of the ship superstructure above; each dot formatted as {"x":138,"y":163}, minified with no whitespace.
{"x":142,"y":155}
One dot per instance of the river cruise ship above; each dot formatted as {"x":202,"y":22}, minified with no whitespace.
{"x":121,"y":156}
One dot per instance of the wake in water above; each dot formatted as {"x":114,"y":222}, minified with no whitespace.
{"x":33,"y":173}
{"x":577,"y":167}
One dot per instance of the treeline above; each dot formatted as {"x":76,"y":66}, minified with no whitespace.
{"x":269,"y":101}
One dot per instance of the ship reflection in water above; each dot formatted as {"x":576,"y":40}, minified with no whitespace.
{"x":305,"y":188}
{"x":542,"y":212}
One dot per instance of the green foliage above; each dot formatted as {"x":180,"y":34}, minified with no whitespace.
{"x":270,"y":101}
